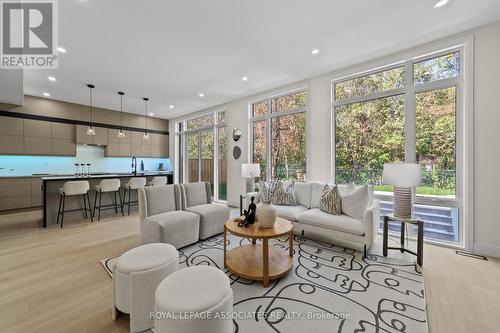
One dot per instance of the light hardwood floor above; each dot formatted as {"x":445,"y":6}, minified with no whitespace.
{"x":51,"y":280}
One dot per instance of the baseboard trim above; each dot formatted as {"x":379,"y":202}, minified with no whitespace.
{"x":487,"y":250}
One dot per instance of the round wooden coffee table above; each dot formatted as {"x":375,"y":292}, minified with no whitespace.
{"x":259,"y":261}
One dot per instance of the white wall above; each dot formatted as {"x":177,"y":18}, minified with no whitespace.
{"x":487,"y":140}
{"x":486,"y":131}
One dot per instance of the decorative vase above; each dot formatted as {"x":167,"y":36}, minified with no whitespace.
{"x":266,"y":215}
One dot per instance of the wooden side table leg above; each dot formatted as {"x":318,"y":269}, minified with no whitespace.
{"x":402,"y":240}
{"x":225,"y":244}
{"x":385,"y":233}
{"x":420,"y":243}
{"x":265,"y":266}
{"x":290,"y":245}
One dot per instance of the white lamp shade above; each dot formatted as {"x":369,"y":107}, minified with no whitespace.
{"x":402,"y":174}
{"x":250,"y":170}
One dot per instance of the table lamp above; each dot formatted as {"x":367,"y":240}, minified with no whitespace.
{"x":250,"y":171}
{"x":403,"y":176}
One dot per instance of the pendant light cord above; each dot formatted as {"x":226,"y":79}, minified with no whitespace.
{"x":91,"y":107}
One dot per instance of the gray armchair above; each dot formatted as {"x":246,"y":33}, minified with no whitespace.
{"x":161,"y":217}
{"x":197,"y":198}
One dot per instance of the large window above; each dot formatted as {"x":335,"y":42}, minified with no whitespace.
{"x":406,"y":112}
{"x":204,"y":142}
{"x":278,"y":136}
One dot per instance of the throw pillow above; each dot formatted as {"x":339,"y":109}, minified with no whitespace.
{"x":355,"y":202}
{"x":330,"y":201}
{"x":284,"y":195}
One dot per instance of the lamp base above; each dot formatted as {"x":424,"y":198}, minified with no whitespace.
{"x":403,"y":202}
{"x":250,"y":185}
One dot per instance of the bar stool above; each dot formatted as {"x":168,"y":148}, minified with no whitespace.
{"x":158,"y":181}
{"x":73,"y":188}
{"x":132,"y":184}
{"x":110,"y":186}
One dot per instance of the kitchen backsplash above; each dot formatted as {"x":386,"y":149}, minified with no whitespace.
{"x":27,"y":165}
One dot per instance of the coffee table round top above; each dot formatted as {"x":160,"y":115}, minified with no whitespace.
{"x":281,"y":227}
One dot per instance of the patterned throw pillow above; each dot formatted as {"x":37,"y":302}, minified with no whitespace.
{"x":284,"y":195}
{"x":331,"y":201}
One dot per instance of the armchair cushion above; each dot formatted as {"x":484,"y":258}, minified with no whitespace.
{"x":195,"y":194}
{"x":342,"y":223}
{"x":179,"y":228}
{"x":160,"y":199}
{"x":212,"y":218}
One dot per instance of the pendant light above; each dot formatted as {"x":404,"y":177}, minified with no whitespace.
{"x":146,"y":134}
{"x":90,"y":129}
{"x":121,"y":134}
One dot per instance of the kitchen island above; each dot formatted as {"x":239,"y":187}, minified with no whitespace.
{"x":51,"y":185}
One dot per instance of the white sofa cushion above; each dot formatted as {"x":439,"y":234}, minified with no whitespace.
{"x":342,"y":223}
{"x":303,"y":193}
{"x":355,"y":202}
{"x":289,"y":212}
{"x":316,"y":190}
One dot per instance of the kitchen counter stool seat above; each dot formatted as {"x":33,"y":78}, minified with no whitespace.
{"x":107,"y":186}
{"x":74,"y":188}
{"x":158,"y":181}
{"x":133,"y":184}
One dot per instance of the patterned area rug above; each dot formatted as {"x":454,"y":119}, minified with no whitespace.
{"x":330,"y":289}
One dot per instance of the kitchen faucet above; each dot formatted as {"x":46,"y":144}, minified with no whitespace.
{"x":134,"y":165}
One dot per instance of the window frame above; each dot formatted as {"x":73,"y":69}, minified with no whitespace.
{"x":464,"y":128}
{"x":268,"y":117}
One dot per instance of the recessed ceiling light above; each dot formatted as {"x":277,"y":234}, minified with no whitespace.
{"x":441,"y":3}
{"x":201,"y":95}
{"x":151,"y":114}
{"x":171,"y":106}
{"x":61,"y":49}
{"x":51,"y":78}
{"x":315,"y":51}
{"x":46,"y":94}
{"x":244,"y":78}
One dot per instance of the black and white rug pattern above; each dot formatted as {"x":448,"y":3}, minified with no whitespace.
{"x":330,"y":289}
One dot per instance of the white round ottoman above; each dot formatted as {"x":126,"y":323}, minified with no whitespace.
{"x":194,"y":299}
{"x":136,"y":275}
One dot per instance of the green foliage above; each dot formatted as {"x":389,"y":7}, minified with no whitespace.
{"x":371,"y":133}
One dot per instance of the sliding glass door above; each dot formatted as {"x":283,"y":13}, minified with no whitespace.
{"x":205,"y":147}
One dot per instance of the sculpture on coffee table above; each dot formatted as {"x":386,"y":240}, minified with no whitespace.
{"x":250,"y":214}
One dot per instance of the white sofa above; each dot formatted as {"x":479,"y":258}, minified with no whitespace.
{"x":309,"y":221}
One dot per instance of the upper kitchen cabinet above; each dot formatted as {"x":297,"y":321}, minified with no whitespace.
{"x":118,"y":146}
{"x":37,"y":137}
{"x":63,"y":139}
{"x":159,"y":145}
{"x":11,"y":136}
{"x":100,"y":137}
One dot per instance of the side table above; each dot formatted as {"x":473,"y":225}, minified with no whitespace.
{"x":420,"y":236}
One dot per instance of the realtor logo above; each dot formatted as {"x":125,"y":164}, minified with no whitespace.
{"x":28,"y":34}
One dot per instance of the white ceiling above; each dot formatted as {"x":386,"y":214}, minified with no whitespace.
{"x":171,"y":50}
